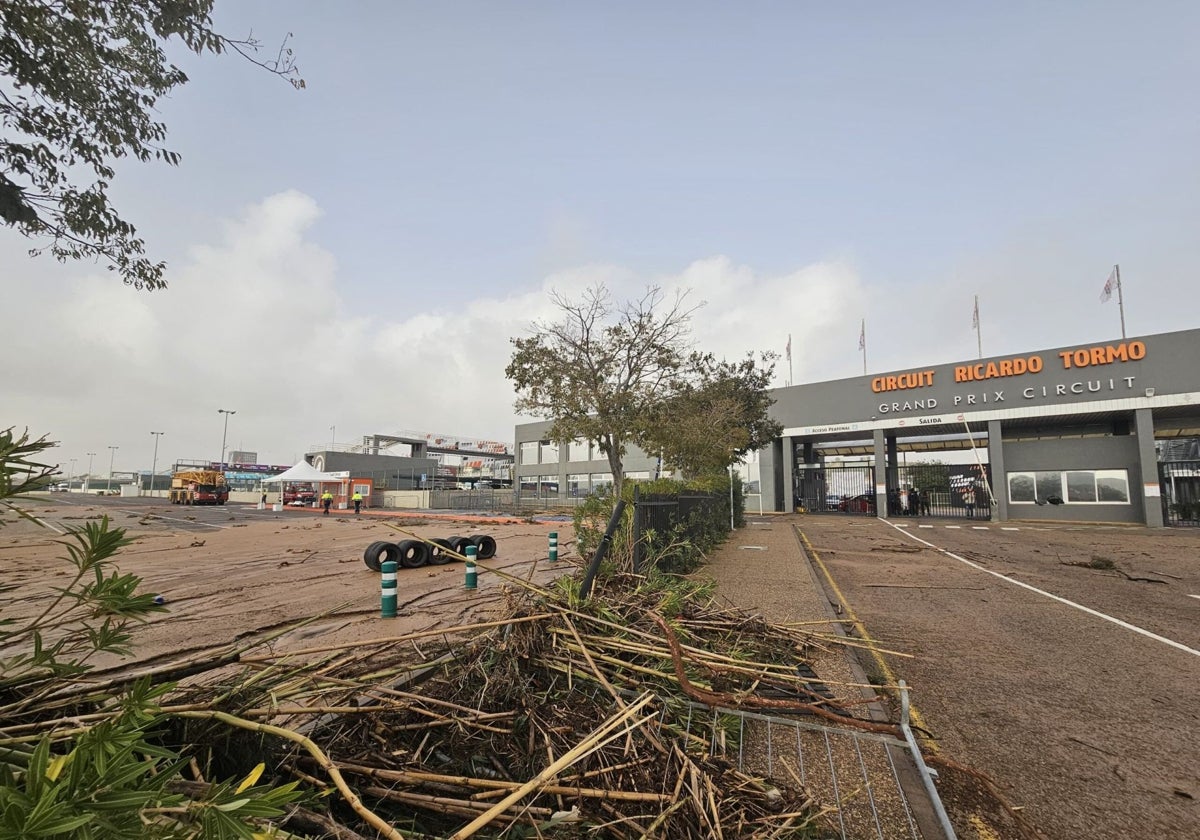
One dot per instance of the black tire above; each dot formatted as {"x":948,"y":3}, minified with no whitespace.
{"x":459,"y":544}
{"x":412,"y":554}
{"x":486,"y":546}
{"x":377,"y":553}
{"x":438,"y":552}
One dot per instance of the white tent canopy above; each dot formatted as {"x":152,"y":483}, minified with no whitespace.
{"x":304,"y":471}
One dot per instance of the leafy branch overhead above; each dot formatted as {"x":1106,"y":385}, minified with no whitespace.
{"x":79,"y":83}
{"x":627,"y":374}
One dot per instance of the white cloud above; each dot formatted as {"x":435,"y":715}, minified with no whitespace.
{"x":260,"y":322}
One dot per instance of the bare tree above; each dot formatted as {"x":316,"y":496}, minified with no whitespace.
{"x":601,"y":371}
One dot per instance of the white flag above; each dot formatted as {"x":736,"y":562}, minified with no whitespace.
{"x":789,"y":348}
{"x":975,"y":317}
{"x":862,"y":337}
{"x":1109,"y":285}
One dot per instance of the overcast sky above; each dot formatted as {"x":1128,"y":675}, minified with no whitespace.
{"x":357,"y":255}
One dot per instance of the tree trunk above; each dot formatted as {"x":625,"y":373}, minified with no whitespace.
{"x":614,"y":465}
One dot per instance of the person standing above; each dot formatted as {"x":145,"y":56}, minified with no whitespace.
{"x":357,"y":499}
{"x":326,"y":501}
{"x":914,"y":502}
{"x":969,"y":501}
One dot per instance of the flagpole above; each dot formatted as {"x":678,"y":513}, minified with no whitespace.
{"x":863,"y":335}
{"x":790,"y":381}
{"x":978,"y":331}
{"x":1120,"y":300}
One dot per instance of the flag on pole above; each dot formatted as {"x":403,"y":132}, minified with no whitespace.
{"x":1109,"y":285}
{"x":789,"y":348}
{"x":975,"y":317}
{"x":862,"y":336}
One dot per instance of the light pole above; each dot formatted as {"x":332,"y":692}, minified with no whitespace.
{"x":332,"y":437}
{"x":154,"y":463}
{"x":90,"y":455}
{"x":112,"y":453}
{"x":226,"y":412}
{"x":70,"y":474}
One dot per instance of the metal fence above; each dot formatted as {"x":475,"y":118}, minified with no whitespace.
{"x":687,"y":517}
{"x":1179,"y":483}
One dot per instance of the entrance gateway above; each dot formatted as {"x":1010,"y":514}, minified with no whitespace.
{"x":1073,"y":433}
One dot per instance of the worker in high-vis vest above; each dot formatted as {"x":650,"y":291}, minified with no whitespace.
{"x":326,"y":501}
{"x":357,"y":499}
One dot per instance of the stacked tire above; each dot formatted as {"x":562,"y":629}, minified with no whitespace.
{"x":412,"y":554}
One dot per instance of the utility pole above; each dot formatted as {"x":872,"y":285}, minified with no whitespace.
{"x":224,"y":434}
{"x":70,"y":474}
{"x":90,"y":455}
{"x":112,"y":453}
{"x":154,"y":464}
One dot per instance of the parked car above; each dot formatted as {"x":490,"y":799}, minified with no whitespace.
{"x":862,"y":503}
{"x":833,"y":502}
{"x":60,"y":487}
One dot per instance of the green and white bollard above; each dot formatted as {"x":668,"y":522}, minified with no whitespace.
{"x":388,"y":590}
{"x":472,"y":576}
{"x":554,"y":546}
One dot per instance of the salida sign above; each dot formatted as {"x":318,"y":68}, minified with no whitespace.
{"x":1094,"y":358}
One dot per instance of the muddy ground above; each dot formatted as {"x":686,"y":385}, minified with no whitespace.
{"x":227,"y":573}
{"x":1088,"y":726}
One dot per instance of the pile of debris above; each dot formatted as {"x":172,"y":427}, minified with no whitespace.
{"x":558,"y":720}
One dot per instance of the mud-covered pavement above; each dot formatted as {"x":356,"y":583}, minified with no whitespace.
{"x":1085,"y":712}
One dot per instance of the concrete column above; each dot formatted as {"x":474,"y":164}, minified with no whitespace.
{"x":881,"y":472}
{"x":999,"y":480}
{"x":770,"y":473}
{"x":1143,"y":419}
{"x":789,"y":474}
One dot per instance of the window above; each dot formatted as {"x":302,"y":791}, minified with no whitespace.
{"x":577,"y":450}
{"x":577,"y":485}
{"x":600,"y":480}
{"x":549,"y":452}
{"x":529,"y":452}
{"x":1072,"y":487}
{"x":548,"y":485}
{"x":364,"y":489}
{"x":641,"y":475}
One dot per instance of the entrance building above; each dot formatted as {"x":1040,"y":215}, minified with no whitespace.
{"x":1063,"y":434}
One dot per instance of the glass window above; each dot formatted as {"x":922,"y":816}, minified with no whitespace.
{"x":365,"y":489}
{"x":577,"y":485}
{"x":548,"y":485}
{"x":1081,"y":486}
{"x":549,"y":452}
{"x":578,"y":451}
{"x":1021,"y":487}
{"x":640,"y":475}
{"x":601,"y":480}
{"x":1112,"y":486}
{"x":1049,"y":485}
{"x":529,"y":483}
{"x":529,"y":452}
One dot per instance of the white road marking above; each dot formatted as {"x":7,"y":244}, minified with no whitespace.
{"x":954,"y":527}
{"x":185,"y":521}
{"x":905,"y":525}
{"x":1194,"y":596}
{"x":924,"y":526}
{"x":1061,"y":600}
{"x":979,"y":527}
{"x":752,"y":547}
{"x":1008,"y":528}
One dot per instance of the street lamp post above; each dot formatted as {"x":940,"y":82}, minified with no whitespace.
{"x":332,"y":437}
{"x":112,"y":453}
{"x":90,"y":455}
{"x":70,"y":473}
{"x":226,"y":412}
{"x":154,"y":463}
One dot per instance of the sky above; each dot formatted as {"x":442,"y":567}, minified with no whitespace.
{"x":354,"y":258}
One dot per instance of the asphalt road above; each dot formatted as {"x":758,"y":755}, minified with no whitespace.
{"x":1076,"y":691}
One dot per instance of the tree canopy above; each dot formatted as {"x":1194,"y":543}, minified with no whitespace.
{"x":626,"y":374}
{"x":79,"y":81}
